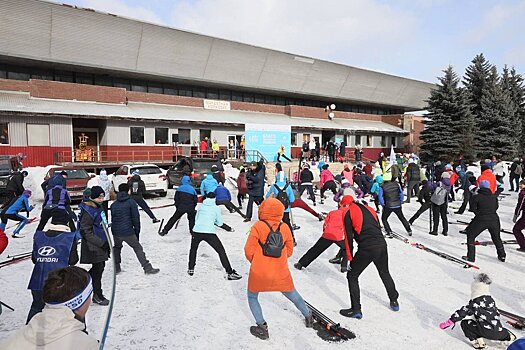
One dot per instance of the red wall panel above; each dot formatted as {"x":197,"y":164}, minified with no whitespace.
{"x":35,"y":155}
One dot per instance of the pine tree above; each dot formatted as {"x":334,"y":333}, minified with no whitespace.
{"x":512,"y":88}
{"x":476,"y":80}
{"x":496,"y":128}
{"x":443,"y":122}
{"x":517,"y":93}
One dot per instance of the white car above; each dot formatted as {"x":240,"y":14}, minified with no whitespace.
{"x":154,"y":177}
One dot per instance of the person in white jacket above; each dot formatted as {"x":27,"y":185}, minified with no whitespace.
{"x":61,"y":325}
{"x":107,"y":186}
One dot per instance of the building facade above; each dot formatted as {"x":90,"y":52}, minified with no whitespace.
{"x":75,"y":80}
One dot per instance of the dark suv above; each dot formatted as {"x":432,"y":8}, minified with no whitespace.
{"x":195,"y":168}
{"x":8,"y":164}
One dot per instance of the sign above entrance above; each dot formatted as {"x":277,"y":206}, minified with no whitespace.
{"x":217,"y":105}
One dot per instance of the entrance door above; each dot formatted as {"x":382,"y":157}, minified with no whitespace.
{"x":327,"y":135}
{"x":85,"y":145}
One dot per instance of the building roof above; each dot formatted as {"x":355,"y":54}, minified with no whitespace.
{"x":22,"y":102}
{"x":60,"y":34}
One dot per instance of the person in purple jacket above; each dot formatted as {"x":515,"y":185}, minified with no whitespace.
{"x":519,"y":218}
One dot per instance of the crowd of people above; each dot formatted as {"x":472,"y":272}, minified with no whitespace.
{"x":352,"y":225}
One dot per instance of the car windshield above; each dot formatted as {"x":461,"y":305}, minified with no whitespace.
{"x":203,"y":165}
{"x":76,"y":173}
{"x":5,"y":168}
{"x":147,"y":170}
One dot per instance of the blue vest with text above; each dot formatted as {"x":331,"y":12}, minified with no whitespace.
{"x":49,"y":253}
{"x":97,"y":219}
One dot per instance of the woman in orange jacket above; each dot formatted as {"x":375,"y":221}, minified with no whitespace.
{"x":268,"y":273}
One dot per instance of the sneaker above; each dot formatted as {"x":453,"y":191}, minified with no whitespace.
{"x":336,"y":260}
{"x":512,"y":337}
{"x":298,"y":266}
{"x":163,"y":233}
{"x":260,"y":331}
{"x":233,"y":276}
{"x":117,"y":268}
{"x":351,"y":313}
{"x":479,"y":343}
{"x":410,"y":233}
{"x":156,"y":220}
{"x":247,"y":220}
{"x":150,"y":270}
{"x":444,"y":233}
{"x":433,"y":233}
{"x":501,"y":258}
{"x":321,"y":217}
{"x":100,"y":300}
{"x":191,"y":272}
{"x":314,"y":204}
{"x":394,"y":305}
{"x":309,"y":321}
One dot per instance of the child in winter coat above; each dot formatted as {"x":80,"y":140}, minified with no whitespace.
{"x":209,"y":184}
{"x":209,"y":216}
{"x":107,"y":186}
{"x":242,"y":188}
{"x":333,"y":232}
{"x":12,"y":213}
{"x":485,"y":318}
{"x":374,"y":191}
{"x":268,"y":273}
{"x":327,"y":182}
{"x":223,"y":197}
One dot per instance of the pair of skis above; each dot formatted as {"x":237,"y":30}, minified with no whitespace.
{"x":516,"y":321}
{"x":30,"y":221}
{"x":327,"y":329}
{"x":486,"y":243}
{"x":461,"y":222}
{"x":443,"y":255}
{"x":14,"y":259}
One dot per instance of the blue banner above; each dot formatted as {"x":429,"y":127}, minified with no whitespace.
{"x":267,"y":139}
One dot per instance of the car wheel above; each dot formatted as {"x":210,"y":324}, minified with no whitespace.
{"x":163,"y":194}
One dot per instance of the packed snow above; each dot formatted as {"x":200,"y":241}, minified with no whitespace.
{"x":172,"y":310}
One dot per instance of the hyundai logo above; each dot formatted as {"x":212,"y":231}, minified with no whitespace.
{"x":46,"y":251}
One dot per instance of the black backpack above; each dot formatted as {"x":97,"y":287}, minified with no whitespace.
{"x":274,"y":243}
{"x":282,"y":196}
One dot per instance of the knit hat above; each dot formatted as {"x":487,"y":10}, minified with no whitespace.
{"x":135,"y":172}
{"x":214,"y":168}
{"x":27,"y":193}
{"x":96,"y":191}
{"x":346,"y":201}
{"x":59,"y":217}
{"x":210,"y":195}
{"x":123,"y":187}
{"x":86,"y":194}
{"x":484,"y":184}
{"x":522,"y":182}
{"x":480,"y":285}
{"x":325,"y":166}
{"x":25,"y":173}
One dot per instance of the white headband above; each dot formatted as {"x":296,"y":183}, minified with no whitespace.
{"x":77,"y":301}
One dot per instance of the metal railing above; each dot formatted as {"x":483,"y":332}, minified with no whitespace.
{"x":92,"y":156}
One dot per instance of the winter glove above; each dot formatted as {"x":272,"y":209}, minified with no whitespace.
{"x":446,"y":324}
{"x":515,"y":218}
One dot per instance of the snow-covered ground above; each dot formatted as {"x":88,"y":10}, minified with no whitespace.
{"x":172,"y":310}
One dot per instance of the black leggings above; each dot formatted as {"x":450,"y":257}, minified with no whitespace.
{"x":318,"y":248}
{"x":474,"y":330}
{"x":96,"y":271}
{"x":215,"y":243}
{"x":477,"y":226}
{"x":329,"y":185}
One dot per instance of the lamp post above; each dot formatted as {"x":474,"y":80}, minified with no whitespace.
{"x":330,"y":109}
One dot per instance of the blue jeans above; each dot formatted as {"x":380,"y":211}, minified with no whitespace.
{"x":293,"y":296}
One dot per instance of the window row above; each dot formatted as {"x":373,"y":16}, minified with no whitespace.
{"x":362,"y":140}
{"x":37,"y":134}
{"x":136,"y":136}
{"x":26,"y":73}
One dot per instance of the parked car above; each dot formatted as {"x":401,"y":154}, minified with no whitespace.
{"x":154,"y":177}
{"x":76,"y":182}
{"x":198,"y":168}
{"x":8,"y":164}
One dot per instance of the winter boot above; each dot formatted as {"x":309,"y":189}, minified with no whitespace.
{"x":117,"y":268}
{"x":233,"y":276}
{"x":433,"y":233}
{"x":100,"y":300}
{"x":150,"y":270}
{"x":410,"y":233}
{"x":344,"y":268}
{"x":309,"y":321}
{"x":501,"y":254}
{"x":260,"y":331}
{"x":298,"y":266}
{"x":351,"y":313}
{"x":444,"y":233}
{"x":336,"y":260}
{"x":156,"y":220}
{"x":479,"y":343}
{"x":394,"y":305}
{"x":191,"y":272}
{"x":163,"y":233}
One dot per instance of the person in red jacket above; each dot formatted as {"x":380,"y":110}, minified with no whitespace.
{"x":203,"y":147}
{"x":361,"y":223}
{"x":486,"y":174}
{"x":242,"y":187}
{"x":333,"y":232}
{"x":327,"y":182}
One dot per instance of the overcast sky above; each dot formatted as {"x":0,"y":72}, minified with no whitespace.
{"x":410,"y":38}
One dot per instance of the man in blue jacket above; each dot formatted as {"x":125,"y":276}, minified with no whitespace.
{"x":391,"y":198}
{"x":185,"y":202}
{"x":209,"y":184}
{"x":125,"y":227}
{"x":223,"y":197}
{"x":12,"y":212}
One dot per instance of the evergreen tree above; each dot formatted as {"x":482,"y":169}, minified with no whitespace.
{"x":517,"y":93}
{"x":496,"y":128}
{"x":446,"y":106}
{"x":512,"y":88}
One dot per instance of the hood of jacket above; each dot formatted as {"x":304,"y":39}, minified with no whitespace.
{"x":271,"y":209}
{"x":185,"y":180}
{"x":478,"y":289}
{"x":53,"y":323}
{"x":209,"y":202}
{"x":122,"y":196}
{"x":379,"y":179}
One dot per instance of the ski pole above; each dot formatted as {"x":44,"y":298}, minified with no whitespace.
{"x":7,"y":306}
{"x":113,"y":289}
{"x":19,"y":255}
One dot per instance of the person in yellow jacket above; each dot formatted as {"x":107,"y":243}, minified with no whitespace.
{"x":215,"y":147}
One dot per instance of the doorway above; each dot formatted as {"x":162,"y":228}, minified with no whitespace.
{"x":85,"y":145}
{"x":327,"y":135}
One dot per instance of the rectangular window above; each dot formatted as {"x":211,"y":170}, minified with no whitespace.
{"x":185,"y":91}
{"x":139,"y":86}
{"x":154,"y":89}
{"x":103,"y":80}
{"x":236,"y":96}
{"x":247,"y":97}
{"x":161,"y":136}
{"x":199,"y":92}
{"x":369,"y":141}
{"x":294,"y":139}
{"x":357,"y":140}
{"x":212,"y":94}
{"x":121,"y":83}
{"x":4,"y":134}
{"x":136,"y":134}
{"x":383,"y":141}
{"x":18,"y":75}
{"x":38,"y":134}
{"x":225,"y":95}
{"x":393,"y":140}
{"x":171,"y":90}
{"x":83,"y":78}
{"x":64,"y":76}
{"x":184,"y":136}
